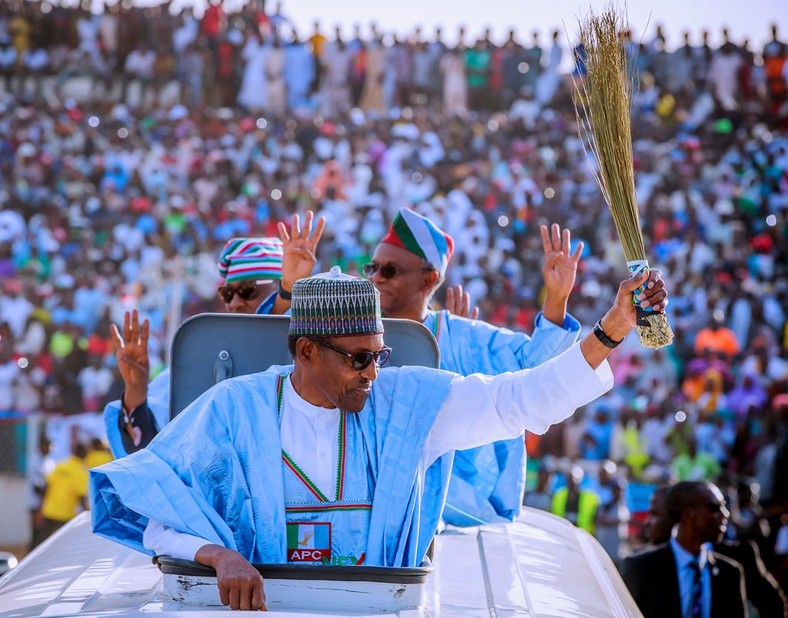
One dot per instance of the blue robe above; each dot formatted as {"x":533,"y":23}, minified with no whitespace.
{"x":216,"y":471}
{"x":488,"y":482}
{"x":299,"y":75}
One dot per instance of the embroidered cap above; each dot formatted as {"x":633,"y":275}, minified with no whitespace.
{"x":421,"y":236}
{"x":335,"y":305}
{"x":251,"y":258}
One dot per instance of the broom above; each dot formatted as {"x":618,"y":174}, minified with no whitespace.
{"x":602,"y":104}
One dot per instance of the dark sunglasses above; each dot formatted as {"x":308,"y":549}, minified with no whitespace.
{"x":246,"y":291}
{"x":360,"y":360}
{"x":390,"y":271}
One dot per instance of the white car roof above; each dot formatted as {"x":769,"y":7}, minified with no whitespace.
{"x":538,"y":566}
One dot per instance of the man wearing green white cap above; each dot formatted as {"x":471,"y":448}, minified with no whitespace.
{"x":408,"y":267}
{"x":333,"y":460}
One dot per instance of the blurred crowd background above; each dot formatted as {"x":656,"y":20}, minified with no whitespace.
{"x":134,"y":142}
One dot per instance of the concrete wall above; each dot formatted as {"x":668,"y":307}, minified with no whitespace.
{"x":15,"y":532}
{"x":15,"y":522}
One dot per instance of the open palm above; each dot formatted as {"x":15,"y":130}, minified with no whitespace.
{"x":131,"y":354}
{"x":458,"y":302}
{"x":299,"y":248}
{"x":560,"y":266}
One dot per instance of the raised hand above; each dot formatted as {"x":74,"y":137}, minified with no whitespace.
{"x":559,"y":270}
{"x":131,"y":355}
{"x":654,"y":295}
{"x":621,"y":318}
{"x":300,"y":246}
{"x":459,"y":303}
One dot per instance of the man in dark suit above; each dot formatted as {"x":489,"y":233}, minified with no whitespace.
{"x":684,"y":577}
{"x":762,"y":590}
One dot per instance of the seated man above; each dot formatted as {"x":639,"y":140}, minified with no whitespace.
{"x":257,"y":275}
{"x":332,"y":453}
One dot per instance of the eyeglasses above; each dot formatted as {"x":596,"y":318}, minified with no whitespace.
{"x":246,"y":291}
{"x":360,"y":360}
{"x":390,"y":271}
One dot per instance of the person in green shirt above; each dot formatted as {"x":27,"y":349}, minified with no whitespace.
{"x":477,"y":70}
{"x":695,"y":466}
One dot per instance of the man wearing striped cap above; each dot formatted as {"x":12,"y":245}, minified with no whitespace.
{"x":251,"y":269}
{"x":257,"y":276}
{"x":408,"y":267}
{"x":332,"y":460}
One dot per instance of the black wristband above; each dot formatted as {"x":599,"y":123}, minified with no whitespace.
{"x":284,"y":294}
{"x":603,"y":337}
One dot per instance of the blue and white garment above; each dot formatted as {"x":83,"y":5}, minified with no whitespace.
{"x":157,"y":405}
{"x":299,"y":75}
{"x":216,"y":472}
{"x":267,"y":305}
{"x":329,"y":526}
{"x":488,"y":482}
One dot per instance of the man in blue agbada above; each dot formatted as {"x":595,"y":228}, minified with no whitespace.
{"x":257,"y":276}
{"x":408,"y":267}
{"x":333,"y":459}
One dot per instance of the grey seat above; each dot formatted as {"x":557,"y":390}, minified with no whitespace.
{"x":211,"y":347}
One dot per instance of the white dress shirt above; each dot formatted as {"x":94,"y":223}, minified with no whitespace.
{"x":478,"y":409}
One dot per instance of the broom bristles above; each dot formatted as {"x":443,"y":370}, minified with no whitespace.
{"x":602,"y":106}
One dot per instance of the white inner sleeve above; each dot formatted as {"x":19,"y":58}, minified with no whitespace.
{"x":164,"y":541}
{"x":480,"y":409}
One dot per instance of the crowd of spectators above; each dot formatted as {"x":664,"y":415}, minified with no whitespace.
{"x":200,"y":129}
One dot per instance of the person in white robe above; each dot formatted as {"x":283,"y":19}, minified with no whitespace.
{"x":253,"y":94}
{"x":548,"y":82}
{"x":276,"y":90}
{"x":335,"y":91}
{"x":455,"y":86}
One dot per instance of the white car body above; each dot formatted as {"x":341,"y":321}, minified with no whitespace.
{"x":538,"y":566}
